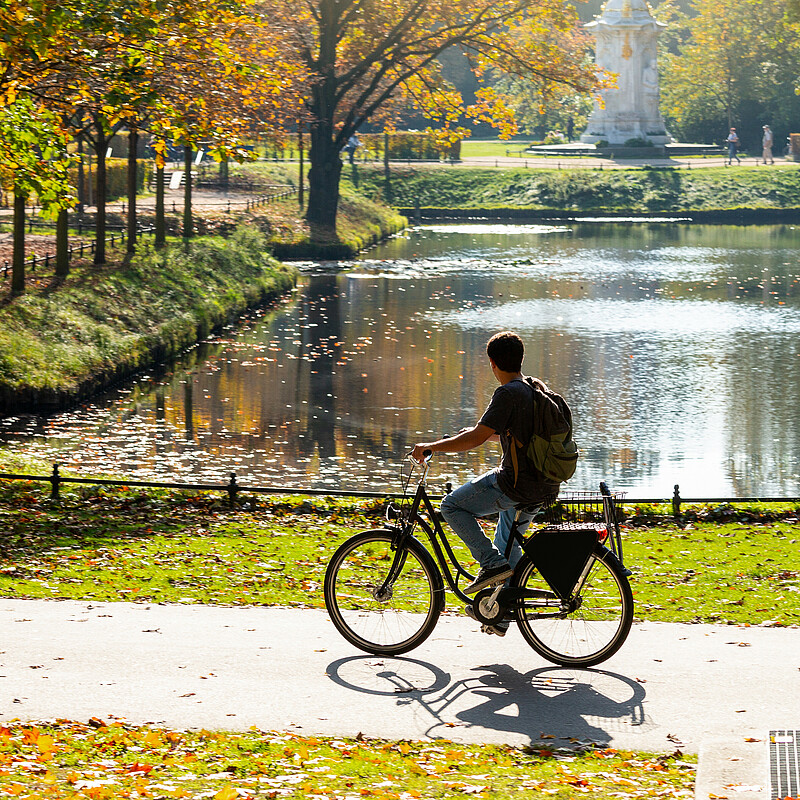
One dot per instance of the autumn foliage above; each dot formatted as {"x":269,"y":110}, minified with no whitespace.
{"x":226,"y":70}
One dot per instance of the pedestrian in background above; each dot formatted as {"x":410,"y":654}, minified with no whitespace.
{"x":733,"y":144}
{"x":766,"y":145}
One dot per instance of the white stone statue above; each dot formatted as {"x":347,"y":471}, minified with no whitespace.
{"x":625,"y":35}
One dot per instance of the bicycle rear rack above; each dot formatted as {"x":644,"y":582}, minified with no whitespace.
{"x":581,"y":510}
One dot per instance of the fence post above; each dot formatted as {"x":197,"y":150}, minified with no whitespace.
{"x":676,"y":501}
{"x":55,"y":480}
{"x":233,"y":488}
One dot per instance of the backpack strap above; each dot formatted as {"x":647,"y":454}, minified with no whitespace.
{"x":515,"y":443}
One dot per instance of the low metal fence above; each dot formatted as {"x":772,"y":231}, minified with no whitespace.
{"x":277,"y":192}
{"x":80,"y":248}
{"x":233,"y":488}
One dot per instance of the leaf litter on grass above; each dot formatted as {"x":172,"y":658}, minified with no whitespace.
{"x":126,"y":543}
{"x":114,"y":759}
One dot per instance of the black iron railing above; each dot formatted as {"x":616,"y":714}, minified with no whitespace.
{"x":233,"y":488}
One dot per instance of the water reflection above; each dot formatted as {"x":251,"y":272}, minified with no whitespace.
{"x":676,"y":346}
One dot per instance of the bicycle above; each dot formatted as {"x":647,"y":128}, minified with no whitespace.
{"x":569,"y":593}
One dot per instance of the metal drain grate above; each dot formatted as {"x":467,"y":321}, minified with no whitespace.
{"x":784,"y":764}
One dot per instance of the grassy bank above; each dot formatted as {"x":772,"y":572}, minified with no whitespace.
{"x":158,"y":546}
{"x":98,"y":759}
{"x":704,"y":191}
{"x":61,"y":341}
{"x":363,"y":218}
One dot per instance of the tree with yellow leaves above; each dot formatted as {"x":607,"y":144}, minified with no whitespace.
{"x":360,"y":54}
{"x":730,"y":63}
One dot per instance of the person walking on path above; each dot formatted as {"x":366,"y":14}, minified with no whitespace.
{"x":766,"y":145}
{"x":733,"y":144}
{"x":509,"y":416}
{"x":353,"y":143}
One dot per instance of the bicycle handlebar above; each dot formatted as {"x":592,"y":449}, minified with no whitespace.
{"x":427,"y":455}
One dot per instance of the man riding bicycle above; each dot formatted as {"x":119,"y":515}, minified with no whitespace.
{"x":509,"y":419}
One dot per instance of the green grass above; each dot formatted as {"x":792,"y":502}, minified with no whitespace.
{"x":95,"y":760}
{"x":159,"y":546}
{"x":483,"y":148}
{"x":624,"y":190}
{"x":735,"y":572}
{"x":105,"y":320}
{"x":363,"y":218}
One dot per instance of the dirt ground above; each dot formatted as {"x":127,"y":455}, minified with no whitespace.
{"x":35,"y":244}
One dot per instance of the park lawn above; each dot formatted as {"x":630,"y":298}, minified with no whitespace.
{"x":483,"y":148}
{"x":640,"y":190}
{"x":106,"y":544}
{"x":105,"y":759}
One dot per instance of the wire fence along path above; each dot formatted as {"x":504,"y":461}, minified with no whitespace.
{"x":80,"y":249}
{"x":233,"y":488}
{"x":228,"y":205}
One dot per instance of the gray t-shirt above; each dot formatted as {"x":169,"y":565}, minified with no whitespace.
{"x":510,"y":414}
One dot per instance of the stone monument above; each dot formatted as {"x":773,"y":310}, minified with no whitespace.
{"x":625,"y":35}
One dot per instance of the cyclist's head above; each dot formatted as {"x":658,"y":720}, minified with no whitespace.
{"x":506,"y":350}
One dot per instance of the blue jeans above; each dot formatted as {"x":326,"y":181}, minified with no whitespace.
{"x":482,"y":497}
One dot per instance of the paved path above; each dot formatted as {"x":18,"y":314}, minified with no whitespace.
{"x":700,"y":687}
{"x":594,"y":162}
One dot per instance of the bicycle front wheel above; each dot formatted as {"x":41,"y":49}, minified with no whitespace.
{"x":588,"y":629}
{"x":383,"y":600}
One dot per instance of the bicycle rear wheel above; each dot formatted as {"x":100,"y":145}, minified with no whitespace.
{"x":593,"y":630}
{"x":382,"y":600}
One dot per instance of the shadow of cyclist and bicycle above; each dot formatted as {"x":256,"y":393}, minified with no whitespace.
{"x":581,"y":705}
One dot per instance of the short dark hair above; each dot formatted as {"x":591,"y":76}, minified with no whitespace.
{"x":506,"y":350}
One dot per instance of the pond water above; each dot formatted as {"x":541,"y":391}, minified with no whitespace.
{"x":676,"y":346}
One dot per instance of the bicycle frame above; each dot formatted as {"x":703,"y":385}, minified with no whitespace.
{"x":450,"y":567}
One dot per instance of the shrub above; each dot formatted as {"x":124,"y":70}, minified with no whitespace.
{"x":116,"y":177}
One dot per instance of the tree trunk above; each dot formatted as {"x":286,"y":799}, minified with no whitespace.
{"x":188,"y":222}
{"x":301,"y":166}
{"x":133,"y":142}
{"x":323,"y":182}
{"x":387,"y":177}
{"x":101,"y":143}
{"x":224,"y":173}
{"x":81,"y":179}
{"x":62,"y":244}
{"x":18,"y":262}
{"x":326,"y":141}
{"x":161,"y":227}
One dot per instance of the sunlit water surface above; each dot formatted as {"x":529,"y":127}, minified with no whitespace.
{"x":676,"y":345}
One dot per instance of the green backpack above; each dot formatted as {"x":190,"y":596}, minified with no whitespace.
{"x":551,"y":449}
